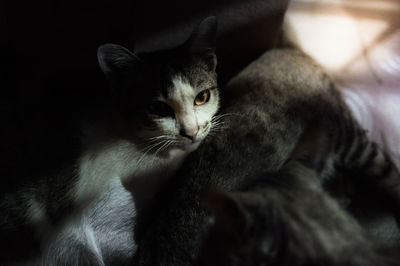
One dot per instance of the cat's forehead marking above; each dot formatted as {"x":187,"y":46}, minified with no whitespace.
{"x":181,"y":95}
{"x":174,"y":105}
{"x":181,"y":89}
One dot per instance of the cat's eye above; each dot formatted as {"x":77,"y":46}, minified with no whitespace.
{"x":161,"y":109}
{"x":202,"y":97}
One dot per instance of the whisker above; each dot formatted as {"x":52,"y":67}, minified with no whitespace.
{"x":156,"y":138}
{"x":224,"y":115}
{"x":147,"y":150}
{"x":160,"y":148}
{"x":218,"y":123}
{"x":227,"y":114}
{"x":147,"y":144}
{"x":169,"y":144}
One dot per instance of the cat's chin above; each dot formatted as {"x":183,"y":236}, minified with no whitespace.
{"x":193,"y":146}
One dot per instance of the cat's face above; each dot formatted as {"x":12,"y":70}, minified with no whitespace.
{"x":183,"y":112}
{"x":171,"y":96}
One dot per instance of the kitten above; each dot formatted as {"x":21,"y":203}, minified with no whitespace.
{"x":164,"y":106}
{"x":275,"y":223}
{"x":280,"y":109}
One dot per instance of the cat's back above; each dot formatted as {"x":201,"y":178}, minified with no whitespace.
{"x":274,"y":101}
{"x":283,"y":67}
{"x":282,"y":76}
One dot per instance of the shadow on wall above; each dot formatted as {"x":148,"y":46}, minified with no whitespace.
{"x":53,"y":44}
{"x":246,"y":28}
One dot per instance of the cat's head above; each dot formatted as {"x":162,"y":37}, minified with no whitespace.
{"x":169,"y":96}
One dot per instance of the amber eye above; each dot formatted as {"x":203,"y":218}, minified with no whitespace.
{"x":202,"y":97}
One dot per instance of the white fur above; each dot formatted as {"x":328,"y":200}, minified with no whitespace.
{"x":107,"y":169}
{"x":122,"y":158}
{"x":36,"y":212}
{"x":104,"y":229}
{"x":97,"y":166}
{"x":183,"y":95}
{"x":92,"y":242}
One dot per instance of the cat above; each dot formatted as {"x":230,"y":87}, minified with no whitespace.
{"x":164,"y":105}
{"x":280,"y":109}
{"x":273,"y":222}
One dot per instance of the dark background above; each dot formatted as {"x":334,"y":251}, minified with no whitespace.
{"x":50,"y":75}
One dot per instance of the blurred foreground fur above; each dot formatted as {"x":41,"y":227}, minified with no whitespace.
{"x":276,"y":223}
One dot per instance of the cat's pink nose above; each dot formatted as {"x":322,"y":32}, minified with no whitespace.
{"x":189,"y":133}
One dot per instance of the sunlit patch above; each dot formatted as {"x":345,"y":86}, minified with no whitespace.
{"x":334,"y":40}
{"x":354,"y":40}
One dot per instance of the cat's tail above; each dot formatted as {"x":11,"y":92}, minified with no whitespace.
{"x":366,"y":159}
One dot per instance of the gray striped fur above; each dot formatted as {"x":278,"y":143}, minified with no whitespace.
{"x":281,"y":109}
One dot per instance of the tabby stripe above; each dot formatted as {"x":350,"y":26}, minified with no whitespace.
{"x":387,"y":168}
{"x":339,"y":137}
{"x":357,"y":155}
{"x":348,"y":139}
{"x":372,"y":155}
{"x":356,"y":148}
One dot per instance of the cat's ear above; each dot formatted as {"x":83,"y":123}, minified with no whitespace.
{"x":202,"y":42}
{"x":228,"y":211}
{"x":117,"y":61}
